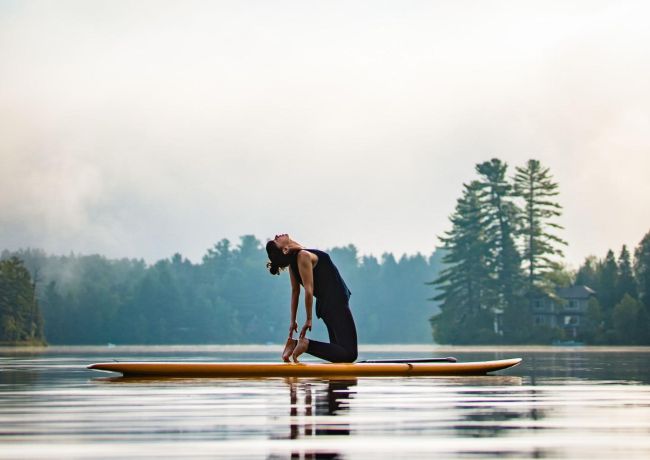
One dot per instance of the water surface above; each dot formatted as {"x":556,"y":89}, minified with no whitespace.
{"x":560,"y":403}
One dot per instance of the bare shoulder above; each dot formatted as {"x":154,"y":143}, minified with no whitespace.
{"x":305,"y":256}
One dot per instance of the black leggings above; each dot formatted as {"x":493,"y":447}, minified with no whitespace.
{"x":343,"y":335}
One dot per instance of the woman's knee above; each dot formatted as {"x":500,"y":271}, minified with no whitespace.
{"x":345,"y":355}
{"x":351,"y":356}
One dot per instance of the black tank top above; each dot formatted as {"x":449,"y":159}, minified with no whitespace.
{"x":328,"y":283}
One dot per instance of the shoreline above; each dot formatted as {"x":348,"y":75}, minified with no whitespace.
{"x":367,"y":348}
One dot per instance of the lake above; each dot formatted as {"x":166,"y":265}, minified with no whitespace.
{"x":573,"y":402}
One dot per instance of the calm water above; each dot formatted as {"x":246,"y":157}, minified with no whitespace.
{"x":561,"y":403}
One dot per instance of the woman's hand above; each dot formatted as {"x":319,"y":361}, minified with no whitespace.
{"x":293,"y":327}
{"x":305,"y":328}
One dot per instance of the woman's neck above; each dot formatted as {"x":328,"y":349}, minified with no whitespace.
{"x":294,"y":246}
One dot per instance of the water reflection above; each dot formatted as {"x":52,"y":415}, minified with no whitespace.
{"x":316,"y":407}
{"x":559,"y":405}
{"x":493,"y":413}
{"x":311,"y":404}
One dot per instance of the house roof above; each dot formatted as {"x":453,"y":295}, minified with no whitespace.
{"x":575,"y":292}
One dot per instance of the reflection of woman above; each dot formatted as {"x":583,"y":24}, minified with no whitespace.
{"x":319,"y":401}
{"x":319,"y":277}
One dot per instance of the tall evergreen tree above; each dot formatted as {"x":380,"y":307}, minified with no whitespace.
{"x":642,"y":269}
{"x":535,"y":184}
{"x":608,"y":283}
{"x":466,"y":314}
{"x":626,"y":281}
{"x":501,"y":214}
{"x":628,"y":322}
{"x":20,"y":316}
{"x":588,"y":273}
{"x":642,"y":274}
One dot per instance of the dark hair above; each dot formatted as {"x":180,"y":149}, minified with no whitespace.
{"x":278,"y":259}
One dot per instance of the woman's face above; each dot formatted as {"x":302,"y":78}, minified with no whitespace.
{"x":282,"y":240}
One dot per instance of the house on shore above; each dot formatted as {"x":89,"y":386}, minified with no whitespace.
{"x":566,"y":310}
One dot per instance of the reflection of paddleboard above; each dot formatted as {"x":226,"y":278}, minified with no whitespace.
{"x":228,"y":369}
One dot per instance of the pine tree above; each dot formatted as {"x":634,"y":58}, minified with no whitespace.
{"x":588,"y":273}
{"x":501,"y":214}
{"x":642,"y":269}
{"x":642,"y":274}
{"x":607,"y":284}
{"x":466,"y":314}
{"x":627,"y":321}
{"x":20,"y":316}
{"x":626,"y":282}
{"x":542,"y":246}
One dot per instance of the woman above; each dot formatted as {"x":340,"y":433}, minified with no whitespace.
{"x":319,"y":277}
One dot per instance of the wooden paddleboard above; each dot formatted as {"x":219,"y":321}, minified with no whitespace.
{"x":251,"y":369}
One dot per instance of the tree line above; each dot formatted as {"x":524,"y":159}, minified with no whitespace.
{"x":504,"y":251}
{"x":620,"y":311}
{"x":20,"y":316}
{"x":228,"y":297}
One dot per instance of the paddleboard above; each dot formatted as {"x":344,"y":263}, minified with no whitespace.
{"x":307,"y":369}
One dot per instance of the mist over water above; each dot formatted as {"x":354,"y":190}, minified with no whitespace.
{"x":560,"y":403}
{"x":146,"y":128}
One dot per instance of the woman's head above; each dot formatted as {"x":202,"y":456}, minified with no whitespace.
{"x":279,"y":252}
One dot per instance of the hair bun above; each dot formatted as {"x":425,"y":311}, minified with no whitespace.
{"x":274,"y":269}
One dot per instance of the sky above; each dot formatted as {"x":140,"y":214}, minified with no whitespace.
{"x":145,"y":128}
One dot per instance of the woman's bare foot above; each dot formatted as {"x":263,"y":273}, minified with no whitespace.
{"x":288,"y":349}
{"x":300,"y":348}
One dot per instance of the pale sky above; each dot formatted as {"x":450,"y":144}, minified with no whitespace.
{"x":144,"y":128}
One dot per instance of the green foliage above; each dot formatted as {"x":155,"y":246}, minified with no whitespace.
{"x":485,"y":297}
{"x":500,"y":224}
{"x":629,"y":320}
{"x":542,"y":246}
{"x":626,"y":283}
{"x":466,"y":285}
{"x":20,"y":317}
{"x":642,"y":270}
{"x":485,"y":294}
{"x":229,"y":297}
{"x":593,"y":326}
{"x":587,"y":274}
{"x":471,"y":328}
{"x":619,"y":315}
{"x":642,"y":276}
{"x":562,"y":276}
{"x":607,"y":283}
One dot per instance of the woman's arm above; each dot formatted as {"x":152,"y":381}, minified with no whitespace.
{"x":295,"y":296}
{"x":307,"y":274}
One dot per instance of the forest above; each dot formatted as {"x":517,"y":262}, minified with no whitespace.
{"x":229,"y":297}
{"x":504,"y":253}
{"x":20,"y":316}
{"x":619,"y":313}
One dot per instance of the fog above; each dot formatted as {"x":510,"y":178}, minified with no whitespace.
{"x":141,"y":129}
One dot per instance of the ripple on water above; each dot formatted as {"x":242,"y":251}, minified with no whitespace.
{"x":51,"y":407}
